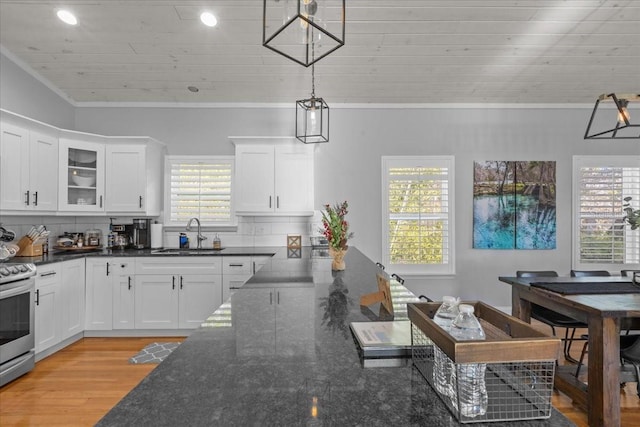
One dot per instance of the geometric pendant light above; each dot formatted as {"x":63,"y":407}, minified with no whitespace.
{"x":312,"y":117}
{"x":612,"y":117}
{"x":293,"y":28}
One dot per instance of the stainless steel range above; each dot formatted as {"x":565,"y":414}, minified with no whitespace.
{"x":17,"y":320}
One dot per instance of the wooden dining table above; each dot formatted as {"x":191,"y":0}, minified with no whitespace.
{"x":603,"y":312}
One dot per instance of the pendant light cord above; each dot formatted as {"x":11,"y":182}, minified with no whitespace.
{"x":313,"y":66}
{"x":313,"y":81}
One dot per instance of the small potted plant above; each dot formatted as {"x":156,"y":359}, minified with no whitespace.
{"x":632,"y":215}
{"x":336,"y":230}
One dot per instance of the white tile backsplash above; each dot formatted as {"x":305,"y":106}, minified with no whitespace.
{"x":251,"y":231}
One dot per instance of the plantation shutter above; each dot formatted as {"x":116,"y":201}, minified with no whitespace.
{"x":200,"y":188}
{"x":604,"y":238}
{"x":418,"y":214}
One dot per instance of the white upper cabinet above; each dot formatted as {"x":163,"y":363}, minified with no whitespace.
{"x":255,"y":179}
{"x":81,"y":176}
{"x":58,"y":171}
{"x":274,"y":176}
{"x":134,"y":174}
{"x":44,"y":170}
{"x":28,"y":167}
{"x":126,"y":180}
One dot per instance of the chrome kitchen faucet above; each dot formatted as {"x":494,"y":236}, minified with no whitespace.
{"x":199,"y":237}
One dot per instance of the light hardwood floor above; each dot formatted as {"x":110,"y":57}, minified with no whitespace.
{"x":78,"y":385}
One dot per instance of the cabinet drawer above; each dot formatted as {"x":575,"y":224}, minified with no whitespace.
{"x":49,"y":273}
{"x":122,"y":266}
{"x":237,"y":265}
{"x":178,"y":265}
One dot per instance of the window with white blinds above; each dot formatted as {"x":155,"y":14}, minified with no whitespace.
{"x":601,"y":183}
{"x":201,"y":187}
{"x":418,"y":214}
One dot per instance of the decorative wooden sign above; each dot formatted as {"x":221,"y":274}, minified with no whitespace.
{"x":294,"y":241}
{"x":382,"y":296}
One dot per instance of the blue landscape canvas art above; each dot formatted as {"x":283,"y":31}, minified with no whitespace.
{"x":514,"y":205}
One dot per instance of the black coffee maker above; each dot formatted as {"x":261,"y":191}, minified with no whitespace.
{"x":140,"y":233}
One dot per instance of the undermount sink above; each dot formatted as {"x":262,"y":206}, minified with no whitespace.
{"x":176,"y":251}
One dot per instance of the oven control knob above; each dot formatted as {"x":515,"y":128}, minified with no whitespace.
{"x":4,"y":271}
{"x":23,"y":268}
{"x":14,"y":270}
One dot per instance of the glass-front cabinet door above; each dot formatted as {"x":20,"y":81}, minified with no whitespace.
{"x":81,"y":176}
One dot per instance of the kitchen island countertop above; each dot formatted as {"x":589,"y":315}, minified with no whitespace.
{"x":284,"y":356}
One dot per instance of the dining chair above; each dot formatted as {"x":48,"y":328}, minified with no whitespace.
{"x":589,"y":273}
{"x":398,"y":278}
{"x":628,"y":273}
{"x":553,"y":318}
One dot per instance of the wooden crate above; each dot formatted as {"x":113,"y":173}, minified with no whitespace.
{"x":507,"y":338}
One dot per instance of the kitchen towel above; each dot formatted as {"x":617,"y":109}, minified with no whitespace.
{"x":156,"y":236}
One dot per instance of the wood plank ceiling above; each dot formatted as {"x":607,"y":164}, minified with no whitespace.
{"x":396,"y":51}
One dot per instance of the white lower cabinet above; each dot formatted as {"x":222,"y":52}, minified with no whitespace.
{"x":99,"y":294}
{"x":156,"y":301}
{"x":184,"y":293}
{"x":200,"y":295}
{"x":110,"y":293}
{"x":284,"y":310}
{"x":123,"y":281}
{"x":72,"y":293}
{"x":48,"y":306}
{"x":60,"y":302}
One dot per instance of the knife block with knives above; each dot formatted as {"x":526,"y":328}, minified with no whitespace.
{"x":31,"y":243}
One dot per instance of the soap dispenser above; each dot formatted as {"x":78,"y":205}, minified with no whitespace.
{"x":217,"y":244}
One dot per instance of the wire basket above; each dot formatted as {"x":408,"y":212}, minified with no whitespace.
{"x":515,"y":389}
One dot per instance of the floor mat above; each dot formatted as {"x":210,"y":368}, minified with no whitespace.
{"x":155,"y":352}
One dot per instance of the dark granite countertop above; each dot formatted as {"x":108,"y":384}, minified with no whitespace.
{"x":59,"y":256}
{"x":279,"y":362}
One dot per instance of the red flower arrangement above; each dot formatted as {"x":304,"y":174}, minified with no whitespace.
{"x":335,"y":227}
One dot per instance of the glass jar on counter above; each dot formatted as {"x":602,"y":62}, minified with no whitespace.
{"x":93,"y":237}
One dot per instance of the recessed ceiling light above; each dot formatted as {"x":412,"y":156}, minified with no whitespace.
{"x":67,"y":17}
{"x":208,"y":19}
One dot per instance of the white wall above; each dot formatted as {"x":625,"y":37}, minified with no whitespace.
{"x":23,"y":94}
{"x":348,"y":167}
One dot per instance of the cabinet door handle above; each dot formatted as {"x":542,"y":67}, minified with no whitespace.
{"x":173,"y":282}
{"x":100,"y":201}
{"x":129,"y":282}
{"x":277,"y":202}
{"x":278,"y":300}
{"x":180,"y":282}
{"x":26,"y":200}
{"x":37,"y":296}
{"x":140,"y":201}
{"x":35,"y":198}
{"x":49,"y":273}
{"x":107,"y":269}
{"x":270,"y":298}
{"x":254,"y":267}
{"x":236,"y":265}
{"x":269,"y":200}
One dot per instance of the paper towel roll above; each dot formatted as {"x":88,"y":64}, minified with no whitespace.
{"x":156,"y":236}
